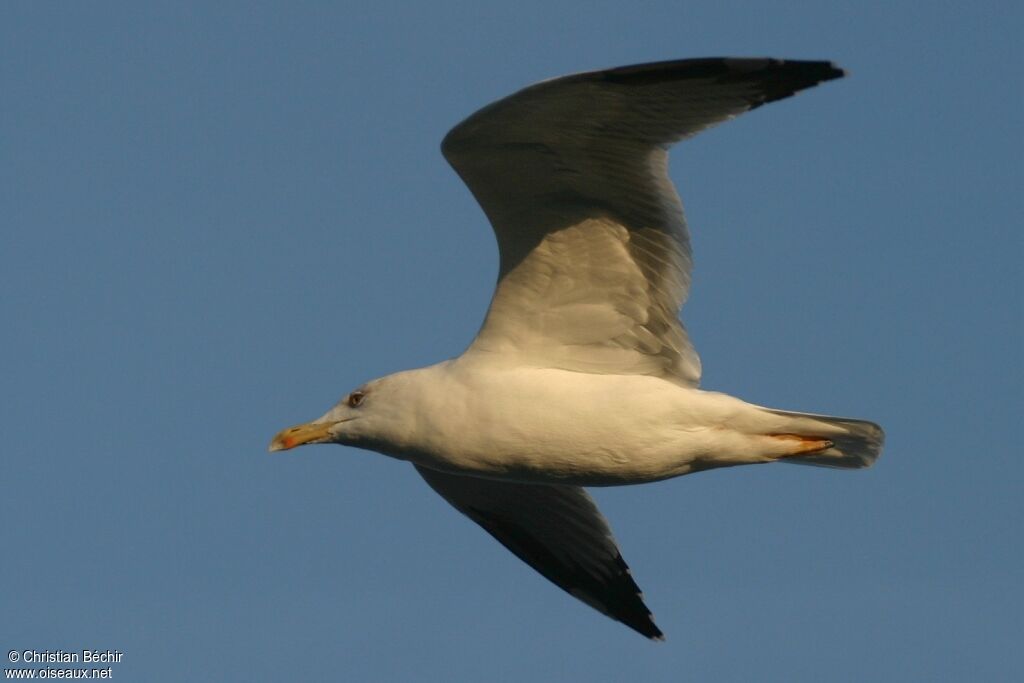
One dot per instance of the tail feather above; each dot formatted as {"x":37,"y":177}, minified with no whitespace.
{"x":855,"y":443}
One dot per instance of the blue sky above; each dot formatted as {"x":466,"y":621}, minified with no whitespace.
{"x":219,"y":219}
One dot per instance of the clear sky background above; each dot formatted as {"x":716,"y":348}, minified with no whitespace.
{"x":219,"y":218}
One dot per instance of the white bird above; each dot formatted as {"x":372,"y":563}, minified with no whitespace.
{"x":582,"y":374}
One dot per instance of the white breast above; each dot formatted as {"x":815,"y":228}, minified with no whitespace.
{"x":564,"y":426}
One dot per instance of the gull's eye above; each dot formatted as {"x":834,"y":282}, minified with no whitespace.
{"x":355,"y":399}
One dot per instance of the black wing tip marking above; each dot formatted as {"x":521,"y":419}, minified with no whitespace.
{"x":785,"y":79}
{"x":614,"y":593}
{"x":639,"y":617}
{"x":775,"y":79}
{"x":728,"y":68}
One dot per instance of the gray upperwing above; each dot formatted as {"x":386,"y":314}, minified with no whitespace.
{"x":558,"y":531}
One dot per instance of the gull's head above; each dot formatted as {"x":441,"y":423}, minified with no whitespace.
{"x":374,"y":416}
{"x":343,"y":423}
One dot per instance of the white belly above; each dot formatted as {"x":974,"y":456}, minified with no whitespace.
{"x":570,"y":427}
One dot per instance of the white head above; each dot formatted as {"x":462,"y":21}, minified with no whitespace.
{"x":374,"y":416}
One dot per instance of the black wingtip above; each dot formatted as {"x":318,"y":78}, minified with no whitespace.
{"x":771,"y":79}
{"x":651,"y":631}
{"x":778,"y":79}
{"x":625,"y":603}
{"x":644,"y":625}
{"x":647,"y":628}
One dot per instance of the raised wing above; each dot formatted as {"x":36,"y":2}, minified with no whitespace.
{"x":572,"y":173}
{"x":558,"y":531}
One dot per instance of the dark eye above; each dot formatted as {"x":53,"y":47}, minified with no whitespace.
{"x":355,"y":399}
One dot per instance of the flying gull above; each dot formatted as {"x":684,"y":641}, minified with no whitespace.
{"x":582,"y":374}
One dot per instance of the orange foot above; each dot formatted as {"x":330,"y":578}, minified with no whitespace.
{"x":802,"y":445}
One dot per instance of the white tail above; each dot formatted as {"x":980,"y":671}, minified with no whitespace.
{"x":855,"y":443}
